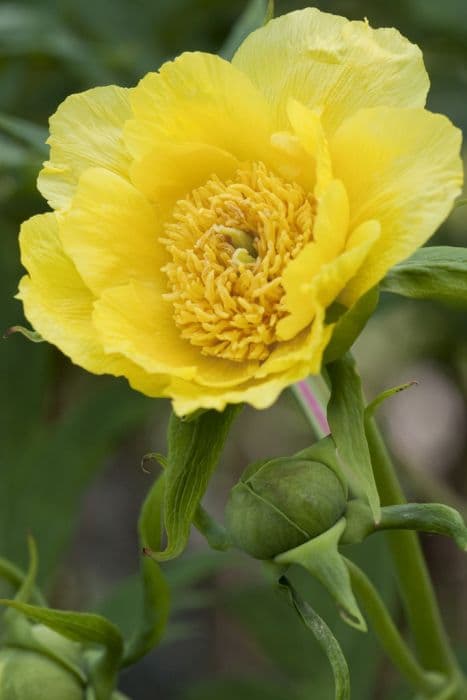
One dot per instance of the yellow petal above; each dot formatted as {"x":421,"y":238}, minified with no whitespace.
{"x":305,"y":348}
{"x":111,"y":232}
{"x":188,"y":397}
{"x":322,"y":59}
{"x":172,"y":170}
{"x":287,"y":364}
{"x":329,"y":233}
{"x":307,"y":125}
{"x":137,"y":322}
{"x":401,"y":167}
{"x":59,"y":306}
{"x":199,"y":98}
{"x":85,"y":132}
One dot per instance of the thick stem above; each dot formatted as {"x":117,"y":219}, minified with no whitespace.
{"x":389,"y":636}
{"x":415,"y":586}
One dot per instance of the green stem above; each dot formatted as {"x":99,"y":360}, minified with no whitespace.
{"x":389,"y":636}
{"x":415,"y":586}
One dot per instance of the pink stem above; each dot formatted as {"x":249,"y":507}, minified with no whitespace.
{"x":314,"y":405}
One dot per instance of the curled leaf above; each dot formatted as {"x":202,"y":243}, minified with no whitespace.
{"x":324,"y":637}
{"x":371,"y":408}
{"x":194,"y":450}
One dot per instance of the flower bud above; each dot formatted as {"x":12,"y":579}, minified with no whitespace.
{"x":282,"y":503}
{"x":30,"y":675}
{"x":52,"y":668}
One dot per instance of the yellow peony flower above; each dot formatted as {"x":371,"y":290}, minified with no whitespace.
{"x":205,"y":220}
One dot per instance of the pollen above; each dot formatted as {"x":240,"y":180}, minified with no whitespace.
{"x":229,"y":243}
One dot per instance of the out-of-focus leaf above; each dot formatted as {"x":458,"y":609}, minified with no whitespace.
{"x":256,"y":14}
{"x":234,"y":688}
{"x":25,"y":131}
{"x":26,"y":30}
{"x":438,"y":272}
{"x":346,"y":414}
{"x":194,"y":448}
{"x":156,"y":598}
{"x":44,"y":479}
{"x":183,"y":575}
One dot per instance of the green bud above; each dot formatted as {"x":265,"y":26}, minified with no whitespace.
{"x":52,"y":673}
{"x":29,"y":675}
{"x":282,"y":503}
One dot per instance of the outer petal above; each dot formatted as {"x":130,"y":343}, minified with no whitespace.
{"x":403,"y":168}
{"x":188,"y":397}
{"x":288,"y":363}
{"x":136,"y":321}
{"x":199,"y":98}
{"x":59,"y":306}
{"x":111,"y":232}
{"x":322,"y":59}
{"x":85,"y":132}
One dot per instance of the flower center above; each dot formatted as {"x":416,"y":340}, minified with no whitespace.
{"x":229,"y":243}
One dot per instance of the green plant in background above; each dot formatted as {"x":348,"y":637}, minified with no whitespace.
{"x":48,"y":653}
{"x":296,"y":510}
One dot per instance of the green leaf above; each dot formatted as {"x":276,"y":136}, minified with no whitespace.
{"x":350,"y":324}
{"x":325,"y":638}
{"x":346,"y":416}
{"x":156,"y":594}
{"x":194,"y":450}
{"x":86,"y":628}
{"x":16,"y":577}
{"x":256,"y":14}
{"x":438,"y":272}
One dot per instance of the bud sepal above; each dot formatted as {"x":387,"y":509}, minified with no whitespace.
{"x":321,"y":558}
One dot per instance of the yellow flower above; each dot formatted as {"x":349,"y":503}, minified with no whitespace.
{"x":205,"y":220}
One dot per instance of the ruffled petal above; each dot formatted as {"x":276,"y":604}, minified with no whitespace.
{"x":199,"y":98}
{"x":59,"y":306}
{"x":403,"y":168}
{"x":324,"y":60}
{"x":85,"y":132}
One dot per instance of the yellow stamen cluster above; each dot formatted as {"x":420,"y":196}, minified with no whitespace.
{"x":229,"y":243}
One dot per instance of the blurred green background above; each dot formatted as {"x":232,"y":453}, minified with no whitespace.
{"x":71,"y":444}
